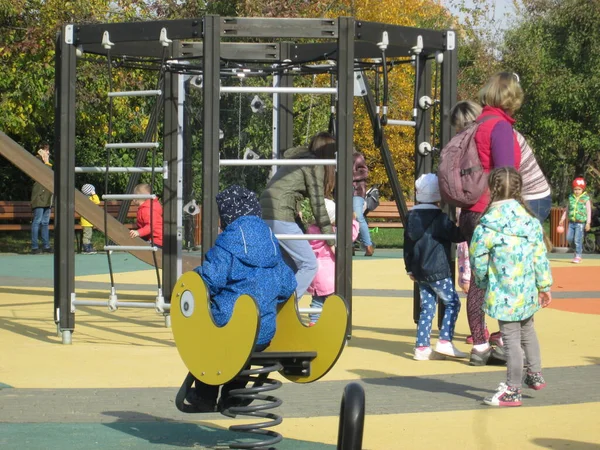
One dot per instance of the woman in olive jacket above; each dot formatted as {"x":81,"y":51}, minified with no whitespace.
{"x":288,"y":187}
{"x":41,"y":204}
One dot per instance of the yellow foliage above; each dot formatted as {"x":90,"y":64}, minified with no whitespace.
{"x":400,"y":139}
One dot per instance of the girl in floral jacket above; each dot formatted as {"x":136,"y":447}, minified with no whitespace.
{"x":508,"y":258}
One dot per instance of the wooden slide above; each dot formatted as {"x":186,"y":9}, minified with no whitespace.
{"x":44,"y":175}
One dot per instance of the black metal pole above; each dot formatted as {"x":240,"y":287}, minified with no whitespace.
{"x":210,"y":135}
{"x":64,"y":184}
{"x":345,"y":146}
{"x":171,"y":253}
{"x":386,"y":156}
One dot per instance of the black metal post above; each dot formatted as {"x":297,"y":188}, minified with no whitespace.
{"x":448,"y":96}
{"x":211,"y":113}
{"x":188,"y":174}
{"x":386,"y":156}
{"x":285,"y":125}
{"x":172,"y":238}
{"x":345,"y":146}
{"x":423,"y":163}
{"x":64,"y":184}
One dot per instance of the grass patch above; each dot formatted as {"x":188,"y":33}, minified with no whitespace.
{"x":20,"y":241}
{"x":387,"y":237}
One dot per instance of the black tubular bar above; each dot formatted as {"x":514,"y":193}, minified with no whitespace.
{"x":352,"y":418}
{"x":328,"y":50}
{"x":345,"y":146}
{"x":188,"y":173}
{"x":172,"y":187}
{"x":386,"y":156}
{"x":64,"y":182}
{"x":276,"y":27}
{"x":423,"y":164}
{"x":448,"y":88}
{"x":285,"y":105}
{"x":402,"y":39}
{"x":137,"y":31}
{"x":211,"y":114}
{"x":448,"y":97}
{"x":244,"y":51}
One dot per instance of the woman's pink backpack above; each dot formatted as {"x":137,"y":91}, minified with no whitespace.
{"x":460,"y":173}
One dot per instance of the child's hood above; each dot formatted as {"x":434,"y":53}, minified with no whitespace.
{"x":250,"y":240}
{"x":420,"y":218}
{"x":508,"y":217}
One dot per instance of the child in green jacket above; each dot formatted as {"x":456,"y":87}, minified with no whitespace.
{"x":508,"y":258}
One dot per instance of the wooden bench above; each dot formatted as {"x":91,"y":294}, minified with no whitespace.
{"x":17,"y":216}
{"x":389,"y":215}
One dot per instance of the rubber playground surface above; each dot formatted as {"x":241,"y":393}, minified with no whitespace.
{"x":115,"y":386}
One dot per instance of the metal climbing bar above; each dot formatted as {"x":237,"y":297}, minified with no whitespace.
{"x":277,"y":162}
{"x":132,"y":145}
{"x":129,"y":197}
{"x":277,"y":90}
{"x":130,"y":248}
{"x":103,"y":169}
{"x":132,"y":304}
{"x":408,"y":123}
{"x":150,"y":93}
{"x":305,"y":237}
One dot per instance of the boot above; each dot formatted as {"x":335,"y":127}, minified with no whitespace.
{"x":369,"y":250}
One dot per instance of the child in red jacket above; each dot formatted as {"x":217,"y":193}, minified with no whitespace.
{"x":149,"y":217}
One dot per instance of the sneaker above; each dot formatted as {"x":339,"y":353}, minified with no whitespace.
{"x":496,"y":338}
{"x":576,"y":260}
{"x":504,"y":396}
{"x":422,"y":354}
{"x":427,"y":354}
{"x":447,"y":348}
{"x":498,"y":356}
{"x":469,"y":339}
{"x":535,"y":380}
{"x":480,"y":358}
{"x":36,"y":251}
{"x":48,"y":250}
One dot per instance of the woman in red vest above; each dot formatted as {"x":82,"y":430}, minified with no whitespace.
{"x":497,"y":145}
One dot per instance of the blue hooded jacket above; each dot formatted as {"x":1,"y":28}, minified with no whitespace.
{"x":427,"y":238}
{"x":246,"y":260}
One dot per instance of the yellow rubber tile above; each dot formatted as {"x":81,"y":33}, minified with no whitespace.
{"x":487,"y":428}
{"x":132,"y":347}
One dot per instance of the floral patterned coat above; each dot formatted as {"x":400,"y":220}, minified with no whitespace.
{"x":508,"y":258}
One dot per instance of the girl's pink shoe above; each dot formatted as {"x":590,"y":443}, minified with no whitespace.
{"x":469,"y":339}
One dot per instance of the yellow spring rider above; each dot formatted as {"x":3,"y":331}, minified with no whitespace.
{"x":216,"y":355}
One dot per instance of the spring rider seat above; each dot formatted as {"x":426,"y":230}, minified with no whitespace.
{"x":216,"y":355}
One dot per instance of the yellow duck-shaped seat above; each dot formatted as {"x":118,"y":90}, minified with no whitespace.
{"x":215,"y":355}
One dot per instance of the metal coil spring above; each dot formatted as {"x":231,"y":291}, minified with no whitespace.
{"x":244,"y":400}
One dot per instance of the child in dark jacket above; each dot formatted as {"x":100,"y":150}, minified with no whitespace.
{"x":245,"y":259}
{"x":427,"y":239}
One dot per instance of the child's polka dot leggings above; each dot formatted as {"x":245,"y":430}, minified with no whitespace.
{"x":429,"y":291}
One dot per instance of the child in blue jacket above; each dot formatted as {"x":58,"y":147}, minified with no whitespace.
{"x":245,"y":259}
{"x":427,"y":238}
